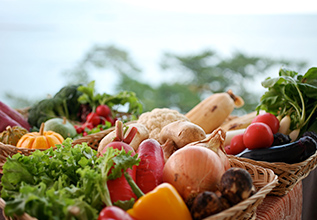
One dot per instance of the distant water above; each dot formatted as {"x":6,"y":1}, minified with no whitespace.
{"x":35,"y":49}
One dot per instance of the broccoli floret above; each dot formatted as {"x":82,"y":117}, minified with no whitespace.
{"x":69,"y":96}
{"x":41,"y":112}
{"x":63,"y":104}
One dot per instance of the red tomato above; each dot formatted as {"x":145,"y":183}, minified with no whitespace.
{"x":236,"y":145}
{"x":269,"y":119}
{"x":258,"y":135}
{"x":103,"y":110}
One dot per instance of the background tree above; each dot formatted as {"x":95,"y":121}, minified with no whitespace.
{"x":108,"y":58}
{"x":189,"y":77}
{"x":206,"y":73}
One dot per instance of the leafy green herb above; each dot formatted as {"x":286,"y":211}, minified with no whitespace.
{"x":65,"y":183}
{"x":294,"y":95}
{"x":122,"y":99}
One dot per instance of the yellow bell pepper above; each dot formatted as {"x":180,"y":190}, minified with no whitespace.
{"x":162,"y":203}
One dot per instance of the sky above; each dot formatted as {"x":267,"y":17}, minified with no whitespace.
{"x":39,"y":40}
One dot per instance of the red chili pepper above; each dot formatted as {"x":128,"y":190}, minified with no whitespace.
{"x":114,"y":213}
{"x":150,"y":170}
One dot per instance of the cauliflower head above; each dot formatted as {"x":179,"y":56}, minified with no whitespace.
{"x":156,"y":119}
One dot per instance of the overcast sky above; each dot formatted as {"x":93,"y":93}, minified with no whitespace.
{"x":41,"y":39}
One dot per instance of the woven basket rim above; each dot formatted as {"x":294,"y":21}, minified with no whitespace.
{"x":300,"y":164}
{"x":19,"y":148}
{"x":295,"y":172}
{"x":255,"y":198}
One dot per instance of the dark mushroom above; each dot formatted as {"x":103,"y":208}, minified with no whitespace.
{"x":236,"y":185}
{"x":205,"y":204}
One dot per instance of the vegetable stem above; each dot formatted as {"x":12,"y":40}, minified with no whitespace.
{"x":303,"y":115}
{"x":136,"y":190}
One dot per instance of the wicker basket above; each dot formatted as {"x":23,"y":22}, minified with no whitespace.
{"x":92,"y":140}
{"x":288,"y":174}
{"x":264,"y":181}
{"x":7,"y":150}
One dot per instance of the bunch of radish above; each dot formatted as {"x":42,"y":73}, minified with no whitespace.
{"x":100,"y":116}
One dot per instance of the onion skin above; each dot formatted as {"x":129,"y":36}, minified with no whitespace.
{"x":192,"y":170}
{"x":224,"y":158}
{"x":215,"y":142}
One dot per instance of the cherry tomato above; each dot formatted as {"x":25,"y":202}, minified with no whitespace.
{"x":103,"y":110}
{"x":258,"y":135}
{"x":93,"y":118}
{"x":236,"y":145}
{"x":269,"y":119}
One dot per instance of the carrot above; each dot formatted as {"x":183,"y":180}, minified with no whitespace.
{"x":150,"y":170}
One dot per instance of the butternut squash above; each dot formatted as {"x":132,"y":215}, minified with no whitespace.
{"x":210,"y":113}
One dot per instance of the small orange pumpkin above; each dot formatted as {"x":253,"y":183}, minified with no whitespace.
{"x":40,"y":140}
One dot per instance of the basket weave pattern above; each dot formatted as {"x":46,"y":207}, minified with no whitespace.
{"x":288,"y":174}
{"x":264,"y":181}
{"x":7,"y":150}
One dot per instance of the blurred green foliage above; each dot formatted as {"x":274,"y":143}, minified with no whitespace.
{"x":185,"y":79}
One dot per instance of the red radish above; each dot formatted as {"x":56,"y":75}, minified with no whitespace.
{"x":103,"y":110}
{"x":88,"y":125}
{"x":119,"y":188}
{"x":79,"y":129}
{"x":5,"y":121}
{"x":150,"y":170}
{"x":15,"y":115}
{"x":93,"y":118}
{"x":114,"y":213}
{"x":110,"y":119}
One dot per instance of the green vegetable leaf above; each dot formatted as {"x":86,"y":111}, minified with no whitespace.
{"x":122,"y":162}
{"x":123,"y":100}
{"x":69,"y":182}
{"x":291,"y":94}
{"x":310,"y":77}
